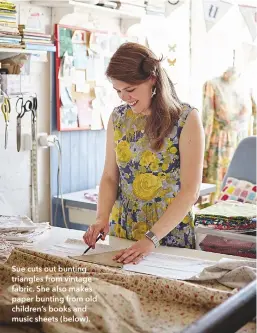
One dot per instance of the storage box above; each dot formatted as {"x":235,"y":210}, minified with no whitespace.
{"x":225,"y":242}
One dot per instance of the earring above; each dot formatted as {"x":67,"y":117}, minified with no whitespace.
{"x":153,"y":92}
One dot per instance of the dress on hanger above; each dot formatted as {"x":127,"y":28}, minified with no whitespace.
{"x":228,"y":113}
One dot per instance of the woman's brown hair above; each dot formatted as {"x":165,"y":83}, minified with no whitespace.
{"x":134,"y":64}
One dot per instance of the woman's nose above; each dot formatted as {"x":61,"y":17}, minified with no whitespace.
{"x":124,"y":96}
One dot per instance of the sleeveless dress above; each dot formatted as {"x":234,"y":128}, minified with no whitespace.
{"x":149,"y":180}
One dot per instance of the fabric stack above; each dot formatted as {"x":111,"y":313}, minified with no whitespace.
{"x":18,"y":231}
{"x":228,"y":217}
{"x":155,"y":7}
{"x":36,"y":40}
{"x":9,"y":33}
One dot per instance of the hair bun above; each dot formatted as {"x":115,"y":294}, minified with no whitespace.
{"x":149,"y":66}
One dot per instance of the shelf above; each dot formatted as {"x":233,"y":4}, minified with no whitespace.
{"x":53,"y":4}
{"x":18,"y":50}
{"x":91,"y":8}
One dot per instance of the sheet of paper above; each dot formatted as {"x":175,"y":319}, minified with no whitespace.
{"x":74,"y":247}
{"x":80,"y":56}
{"x":84,"y":112}
{"x":83,"y":88}
{"x":90,"y":71}
{"x":169,"y":267}
{"x":80,"y":77}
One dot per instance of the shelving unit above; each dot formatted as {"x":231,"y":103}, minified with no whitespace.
{"x":93,"y":8}
{"x":19,"y":50}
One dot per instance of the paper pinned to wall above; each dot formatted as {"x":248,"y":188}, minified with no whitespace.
{"x":96,"y":117}
{"x":84,"y":112}
{"x":83,"y":88}
{"x":80,"y":56}
{"x":80,"y":77}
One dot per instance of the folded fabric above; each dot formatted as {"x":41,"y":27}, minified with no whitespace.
{"x":230,"y":272}
{"x":228,"y":246}
{"x":229,"y":209}
{"x":228,"y":215}
{"x":226,"y":223}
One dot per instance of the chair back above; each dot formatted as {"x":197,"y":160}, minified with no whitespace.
{"x":243,"y":163}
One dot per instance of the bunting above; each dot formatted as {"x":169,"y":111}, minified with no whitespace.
{"x":171,"y":5}
{"x":250,"y":16}
{"x":214,"y":10}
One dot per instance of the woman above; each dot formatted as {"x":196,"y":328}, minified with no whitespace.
{"x":154,"y":159}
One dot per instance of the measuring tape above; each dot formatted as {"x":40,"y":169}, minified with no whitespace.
{"x":34,"y":175}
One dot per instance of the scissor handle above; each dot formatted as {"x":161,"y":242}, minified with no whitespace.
{"x":28,"y":106}
{"x":21,"y":111}
{"x":6,"y":109}
{"x":24,"y":107}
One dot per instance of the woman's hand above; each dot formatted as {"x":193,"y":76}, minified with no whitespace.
{"x":94,"y":230}
{"x":136,"y":252}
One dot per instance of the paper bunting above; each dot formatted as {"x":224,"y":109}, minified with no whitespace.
{"x":171,"y":62}
{"x":250,"y":16}
{"x":171,"y":5}
{"x":214,"y":11}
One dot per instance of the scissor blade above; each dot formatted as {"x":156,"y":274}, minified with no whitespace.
{"x":6,"y":137}
{"x":18,"y":134}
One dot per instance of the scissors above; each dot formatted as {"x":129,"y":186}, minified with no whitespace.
{"x":6,"y":109}
{"x":23,"y":107}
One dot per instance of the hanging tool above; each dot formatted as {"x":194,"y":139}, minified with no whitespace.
{"x":22,"y":108}
{"x":34,"y":162}
{"x":34,"y":118}
{"x":6,"y":109}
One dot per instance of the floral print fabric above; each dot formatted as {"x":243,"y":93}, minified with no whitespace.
{"x":126,"y":302}
{"x":149,"y":180}
{"x":228,"y":115}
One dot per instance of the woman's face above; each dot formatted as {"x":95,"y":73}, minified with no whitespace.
{"x":138,"y":96}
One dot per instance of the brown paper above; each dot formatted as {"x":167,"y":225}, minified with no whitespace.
{"x":100,"y":259}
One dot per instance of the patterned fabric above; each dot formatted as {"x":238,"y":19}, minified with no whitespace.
{"x":227,"y":115}
{"x":126,"y":302}
{"x":233,"y":247}
{"x":228,"y":215}
{"x":239,"y":190}
{"x":149,"y":180}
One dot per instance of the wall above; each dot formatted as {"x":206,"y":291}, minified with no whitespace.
{"x":14,"y":166}
{"x":83,"y":152}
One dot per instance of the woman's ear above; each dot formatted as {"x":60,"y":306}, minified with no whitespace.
{"x":153,"y":80}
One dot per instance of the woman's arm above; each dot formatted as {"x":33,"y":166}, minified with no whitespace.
{"x":107,"y":192}
{"x":191,"y":147}
{"x":110,"y":179}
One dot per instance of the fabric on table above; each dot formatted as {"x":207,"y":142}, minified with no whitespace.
{"x":230,"y":272}
{"x":220,"y":244}
{"x":228,"y":215}
{"x":127,"y":302}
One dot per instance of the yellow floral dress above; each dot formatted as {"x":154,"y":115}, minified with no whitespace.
{"x":149,"y":180}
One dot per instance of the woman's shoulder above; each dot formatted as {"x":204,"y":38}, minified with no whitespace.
{"x":185,"y":110}
{"x":120,"y":112}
